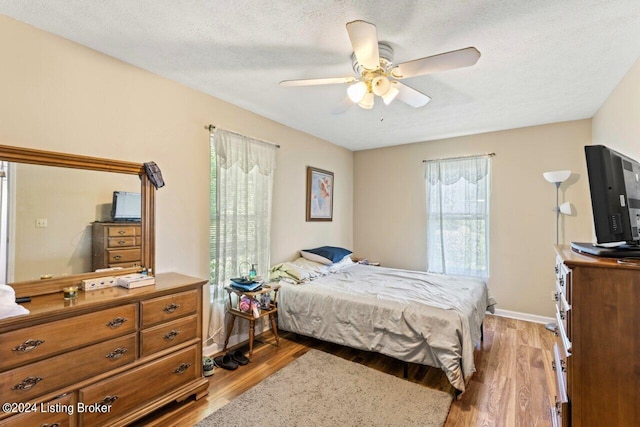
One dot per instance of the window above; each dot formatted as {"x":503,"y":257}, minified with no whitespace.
{"x":240,"y":214}
{"x":458,"y":215}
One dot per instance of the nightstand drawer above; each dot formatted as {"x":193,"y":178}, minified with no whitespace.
{"x":123,"y":242}
{"x":124,"y":255}
{"x":128,"y":390}
{"x":167,"y":335}
{"x":27,"y":382}
{"x":171,"y":307}
{"x":123,"y":230}
{"x":36,"y":342}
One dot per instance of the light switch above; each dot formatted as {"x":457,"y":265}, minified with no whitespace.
{"x":41,"y":223}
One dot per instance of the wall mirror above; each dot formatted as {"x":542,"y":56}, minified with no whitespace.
{"x":48,"y":203}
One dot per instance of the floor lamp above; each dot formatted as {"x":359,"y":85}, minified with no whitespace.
{"x":557,"y":178}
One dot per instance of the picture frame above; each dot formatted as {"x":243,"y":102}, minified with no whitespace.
{"x":319,"y":194}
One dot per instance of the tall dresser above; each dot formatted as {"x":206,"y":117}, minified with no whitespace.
{"x":597,"y":353}
{"x":116,"y":244}
{"x":107,"y":358}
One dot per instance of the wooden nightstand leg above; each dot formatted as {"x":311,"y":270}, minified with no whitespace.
{"x":252,"y":327}
{"x":274,"y":328}
{"x":232,"y":320}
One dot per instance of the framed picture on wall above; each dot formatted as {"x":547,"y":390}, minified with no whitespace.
{"x":319,"y":195}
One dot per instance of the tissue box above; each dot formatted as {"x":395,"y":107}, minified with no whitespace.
{"x":98,"y":283}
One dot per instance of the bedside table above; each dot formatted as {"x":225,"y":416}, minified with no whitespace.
{"x":236,"y":312}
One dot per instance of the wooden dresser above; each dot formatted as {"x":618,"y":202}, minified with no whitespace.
{"x":116,"y":244}
{"x":107,"y":358}
{"x":597,"y":354}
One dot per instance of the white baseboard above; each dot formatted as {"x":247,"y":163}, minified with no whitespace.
{"x":524,"y":316}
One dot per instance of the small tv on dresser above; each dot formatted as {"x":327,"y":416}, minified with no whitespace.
{"x":126,"y":206}
{"x":614,"y":183}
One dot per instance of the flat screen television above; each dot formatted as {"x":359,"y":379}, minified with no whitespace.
{"x":614,"y":182}
{"x":126,"y":206}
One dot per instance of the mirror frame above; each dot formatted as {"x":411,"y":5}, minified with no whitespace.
{"x":51,"y":158}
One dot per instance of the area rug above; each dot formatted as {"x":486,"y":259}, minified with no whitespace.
{"x":319,"y":389}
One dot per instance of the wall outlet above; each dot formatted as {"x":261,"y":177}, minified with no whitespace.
{"x":41,"y":223}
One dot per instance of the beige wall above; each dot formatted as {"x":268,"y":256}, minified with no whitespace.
{"x":390,"y":206}
{"x":617,"y":122}
{"x":60,"y":96}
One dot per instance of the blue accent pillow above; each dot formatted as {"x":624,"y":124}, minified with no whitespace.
{"x":325,"y":254}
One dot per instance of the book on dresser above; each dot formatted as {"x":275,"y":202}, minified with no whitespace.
{"x":131,"y":281}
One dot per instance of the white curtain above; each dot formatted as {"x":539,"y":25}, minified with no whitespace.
{"x":240,"y":221}
{"x":458,"y":216}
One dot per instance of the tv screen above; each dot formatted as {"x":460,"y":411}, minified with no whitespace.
{"x":126,"y":206}
{"x":614,"y":182}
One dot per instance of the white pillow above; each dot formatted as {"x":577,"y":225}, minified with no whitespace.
{"x":345,"y":262}
{"x":314,"y":269}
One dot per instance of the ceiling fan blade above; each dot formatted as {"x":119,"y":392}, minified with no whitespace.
{"x":410,"y":96}
{"x":343,"y":106}
{"x":314,"y":82}
{"x":364,"y":40}
{"x":436,"y":63}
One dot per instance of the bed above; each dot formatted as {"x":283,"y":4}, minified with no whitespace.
{"x":413,"y":316}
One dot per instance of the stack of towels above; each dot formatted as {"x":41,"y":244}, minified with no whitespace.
{"x":8,"y":306}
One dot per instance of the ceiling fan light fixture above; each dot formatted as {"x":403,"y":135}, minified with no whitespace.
{"x":357,"y":91}
{"x":380,"y":85}
{"x":367,"y":101}
{"x":390,"y":95}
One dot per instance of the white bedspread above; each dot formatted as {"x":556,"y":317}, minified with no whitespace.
{"x":409,"y":315}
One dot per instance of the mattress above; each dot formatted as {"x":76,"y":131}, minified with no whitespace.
{"x":413,"y":316}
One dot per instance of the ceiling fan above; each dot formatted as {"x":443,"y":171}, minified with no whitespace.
{"x":377,"y":76}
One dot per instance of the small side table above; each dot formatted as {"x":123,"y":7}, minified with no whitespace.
{"x":235,"y":312}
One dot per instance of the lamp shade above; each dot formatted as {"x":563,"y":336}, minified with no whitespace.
{"x":356,"y":91}
{"x":390,"y":95}
{"x":367,"y":101}
{"x":565,"y":208}
{"x":557,"y":176}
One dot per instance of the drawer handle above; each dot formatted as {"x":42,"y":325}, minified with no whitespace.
{"x":28,"y":345}
{"x":117,"y":322}
{"x":171,"y":308}
{"x":117,"y":257}
{"x":117,"y":353}
{"x":121,"y":242}
{"x":171,"y":335}
{"x":108,"y":400}
{"x":50,"y":425}
{"x":121,"y":231}
{"x":182,"y":368}
{"x":27,"y":383}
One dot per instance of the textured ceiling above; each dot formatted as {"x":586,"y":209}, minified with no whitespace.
{"x":542,"y":61}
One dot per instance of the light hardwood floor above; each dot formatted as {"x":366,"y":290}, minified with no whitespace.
{"x":513,"y":385}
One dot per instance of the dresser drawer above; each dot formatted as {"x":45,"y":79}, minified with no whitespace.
{"x":123,"y":255}
{"x":127,"y":391}
{"x":123,"y":242}
{"x":27,"y":382}
{"x":36,"y":342}
{"x":171,"y":307}
{"x":123,"y":230}
{"x":58,"y":412}
{"x":167,"y":335}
